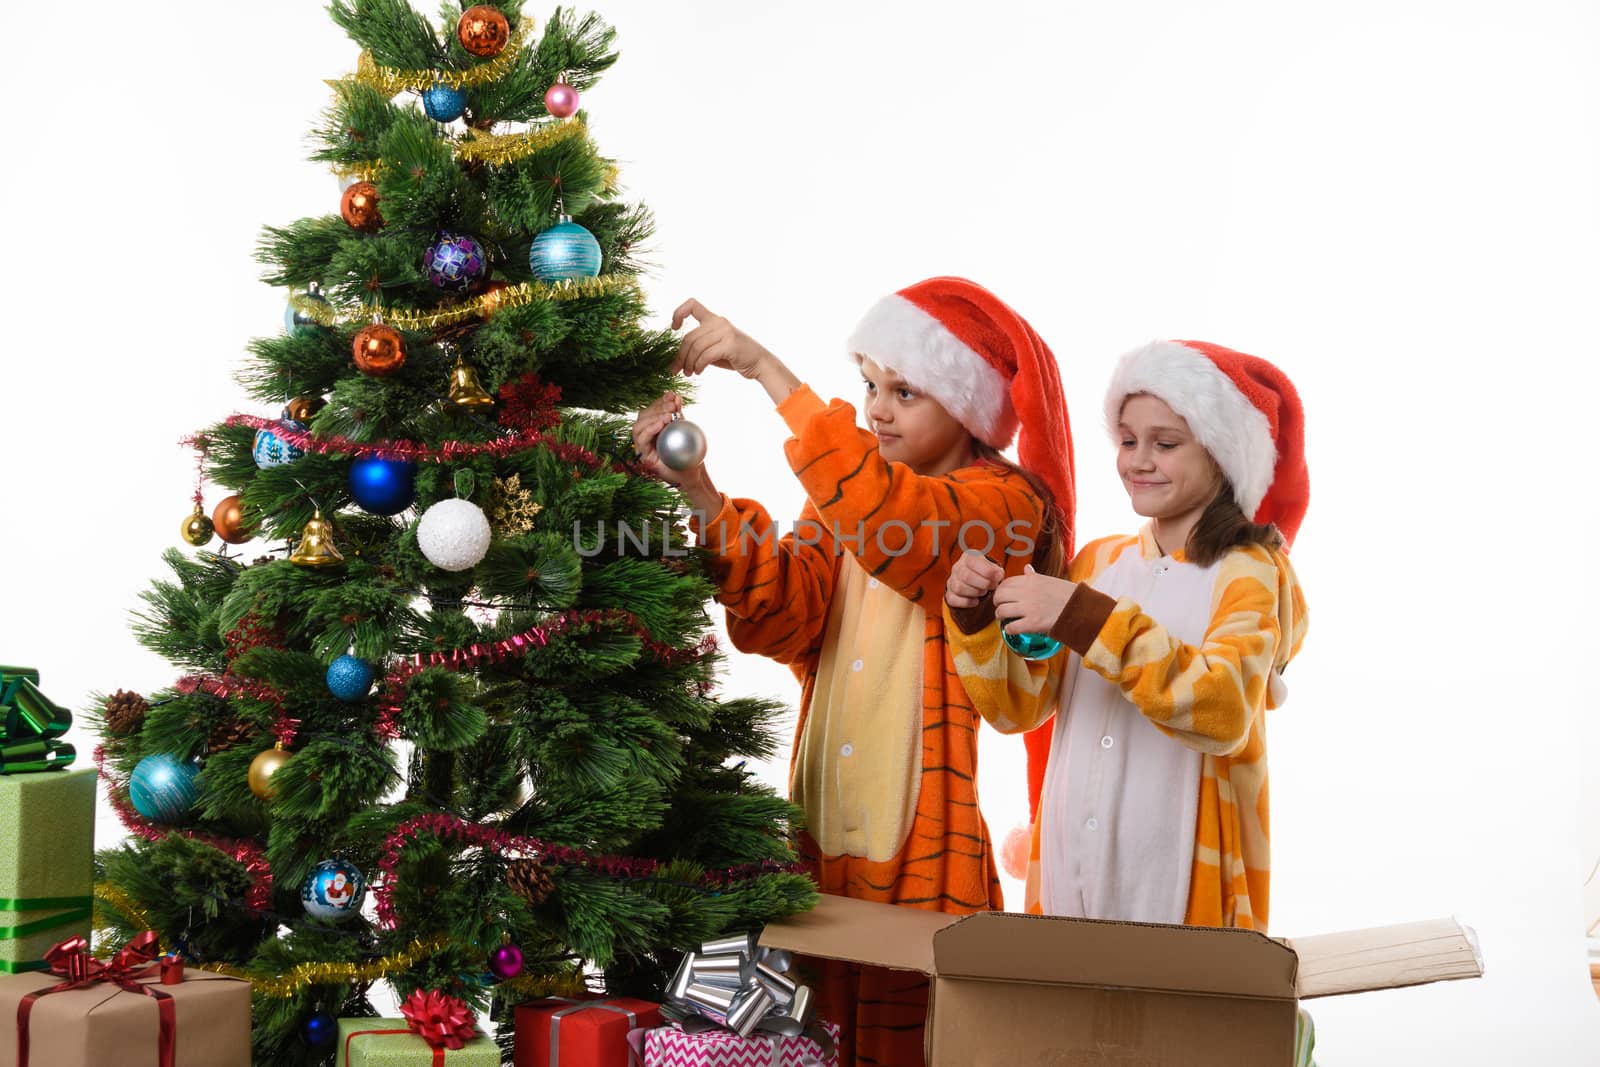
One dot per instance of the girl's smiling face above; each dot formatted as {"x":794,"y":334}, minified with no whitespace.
{"x":911,"y":427}
{"x":1169,"y":476}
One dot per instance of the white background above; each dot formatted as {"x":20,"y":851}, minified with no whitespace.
{"x":1394,"y":201}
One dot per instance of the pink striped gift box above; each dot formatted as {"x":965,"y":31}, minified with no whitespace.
{"x":668,"y":1046}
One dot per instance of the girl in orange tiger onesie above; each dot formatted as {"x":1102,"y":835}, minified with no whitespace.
{"x":885,"y":754}
{"x":1154,"y":803}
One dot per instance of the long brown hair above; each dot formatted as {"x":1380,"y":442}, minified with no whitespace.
{"x":1049,"y":548}
{"x":1222,"y":526}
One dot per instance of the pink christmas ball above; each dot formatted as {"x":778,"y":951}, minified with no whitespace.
{"x":506,"y":961}
{"x":1015,"y":850}
{"x":561,"y":100}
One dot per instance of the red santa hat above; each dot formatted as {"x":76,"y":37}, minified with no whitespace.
{"x":1242,"y":409}
{"x":958,"y":343}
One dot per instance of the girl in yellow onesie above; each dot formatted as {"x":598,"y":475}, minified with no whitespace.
{"x":1155,"y":797}
{"x":885,"y":754}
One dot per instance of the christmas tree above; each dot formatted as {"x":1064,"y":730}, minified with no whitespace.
{"x":447,"y":720}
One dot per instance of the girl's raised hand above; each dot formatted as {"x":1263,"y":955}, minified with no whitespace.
{"x":715,"y":342}
{"x":970,"y":579}
{"x":1031,"y":602}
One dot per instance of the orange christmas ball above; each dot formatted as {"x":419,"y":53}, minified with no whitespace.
{"x":379,"y":350}
{"x":483,"y":31}
{"x":359,"y":207}
{"x":228,"y":518}
{"x":304,"y":408}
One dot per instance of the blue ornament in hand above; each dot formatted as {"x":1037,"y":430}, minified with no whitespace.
{"x":444,"y":104}
{"x":270,"y":450}
{"x":1031,"y":646}
{"x":163,"y":788}
{"x":349,"y":678}
{"x":333,"y":891}
{"x":564,"y":252}
{"x":383,"y":486}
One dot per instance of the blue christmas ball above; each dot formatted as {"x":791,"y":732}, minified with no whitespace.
{"x":564,"y":252}
{"x":349,"y":678}
{"x":383,"y":486}
{"x":444,"y":104}
{"x":455,"y":261}
{"x":333,"y":891}
{"x":163,"y":788}
{"x":295,"y":320}
{"x":320,"y":1029}
{"x":1031,"y":646}
{"x":270,"y":450}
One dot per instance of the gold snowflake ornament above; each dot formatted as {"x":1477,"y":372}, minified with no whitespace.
{"x":514,"y":508}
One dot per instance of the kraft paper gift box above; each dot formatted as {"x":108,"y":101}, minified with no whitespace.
{"x":586,"y":1031}
{"x":104,"y":1025}
{"x":46,"y":862}
{"x":392,"y":1043}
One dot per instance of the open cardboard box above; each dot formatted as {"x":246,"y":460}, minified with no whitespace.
{"x":1029,"y":989}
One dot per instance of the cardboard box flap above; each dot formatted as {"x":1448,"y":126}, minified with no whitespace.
{"x":1386,"y":957}
{"x":1087,"y":952}
{"x":842,"y":928}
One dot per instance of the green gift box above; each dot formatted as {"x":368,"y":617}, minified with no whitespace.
{"x":46,"y":863}
{"x":391,"y":1043}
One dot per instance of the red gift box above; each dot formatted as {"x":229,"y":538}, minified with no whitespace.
{"x":588,"y":1031}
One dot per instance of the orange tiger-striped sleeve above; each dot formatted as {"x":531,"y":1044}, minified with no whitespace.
{"x":907,"y":529}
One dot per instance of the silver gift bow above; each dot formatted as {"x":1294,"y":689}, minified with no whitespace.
{"x":732,"y":982}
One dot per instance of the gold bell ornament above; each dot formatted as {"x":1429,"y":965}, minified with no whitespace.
{"x":316,"y":545}
{"x":197,"y":528}
{"x":263,"y":767}
{"x":466,"y":390}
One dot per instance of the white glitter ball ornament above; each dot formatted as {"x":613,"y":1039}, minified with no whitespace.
{"x":453,"y":534}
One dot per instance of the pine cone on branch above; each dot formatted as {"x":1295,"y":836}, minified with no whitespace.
{"x":226,"y":735}
{"x":125,"y":713}
{"x":530,"y":880}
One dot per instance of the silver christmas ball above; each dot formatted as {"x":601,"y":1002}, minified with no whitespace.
{"x":681,"y":445}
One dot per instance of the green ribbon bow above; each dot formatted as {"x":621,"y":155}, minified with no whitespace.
{"x":31,"y":725}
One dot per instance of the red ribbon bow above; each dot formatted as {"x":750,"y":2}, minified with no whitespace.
{"x":441,"y":1020}
{"x":71,"y":961}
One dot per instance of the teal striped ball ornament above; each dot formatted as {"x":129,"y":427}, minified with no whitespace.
{"x":564,"y":252}
{"x":164,"y":788}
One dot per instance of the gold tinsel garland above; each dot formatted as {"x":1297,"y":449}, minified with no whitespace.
{"x":391,"y":81}
{"x":510,"y":296}
{"x":493,"y":148}
{"x":306,"y":974}
{"x":106,"y":893}
{"x":501,"y":148}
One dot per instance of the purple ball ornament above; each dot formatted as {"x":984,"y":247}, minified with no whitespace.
{"x":505,"y":962}
{"x":455,"y":262}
